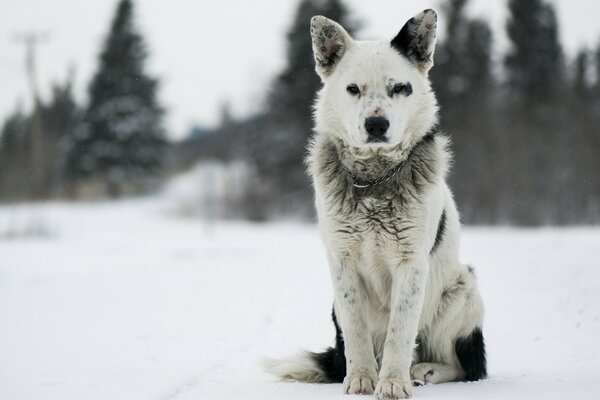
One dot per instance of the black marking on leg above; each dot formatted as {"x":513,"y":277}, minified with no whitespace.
{"x":440,"y":232}
{"x":333,"y":361}
{"x":420,"y":353}
{"x":339,"y":337}
{"x":470,"y":351}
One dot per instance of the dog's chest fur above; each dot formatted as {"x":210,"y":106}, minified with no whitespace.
{"x":381,"y":218}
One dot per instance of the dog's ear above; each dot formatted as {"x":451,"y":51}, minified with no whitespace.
{"x":416,"y":40}
{"x":329,"y":42}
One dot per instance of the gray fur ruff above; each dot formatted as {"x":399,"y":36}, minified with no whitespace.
{"x":335,"y":169}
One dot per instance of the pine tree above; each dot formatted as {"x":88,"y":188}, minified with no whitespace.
{"x":592,"y":190}
{"x":61,"y":118}
{"x":464,"y":84}
{"x":280,"y":148}
{"x":122,"y":142}
{"x":449,"y":74}
{"x":14,"y":157}
{"x":62,"y":113}
{"x":581,"y":86}
{"x":479,"y":61}
{"x":584,"y":143}
{"x":294,"y":89}
{"x":536,"y":118}
{"x":58,"y":119}
{"x":595,"y":88}
{"x":535,"y":61}
{"x":12,"y":134}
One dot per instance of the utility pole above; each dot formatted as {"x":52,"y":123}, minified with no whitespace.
{"x":31,"y":40}
{"x":37,"y":173}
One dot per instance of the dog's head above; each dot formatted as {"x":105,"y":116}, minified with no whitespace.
{"x":376,"y":95}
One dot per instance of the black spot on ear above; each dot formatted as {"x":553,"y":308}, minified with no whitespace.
{"x":401,"y":42}
{"x":416,"y":39}
{"x":329,"y":42}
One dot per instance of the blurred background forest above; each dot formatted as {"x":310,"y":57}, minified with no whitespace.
{"x":525,"y":125}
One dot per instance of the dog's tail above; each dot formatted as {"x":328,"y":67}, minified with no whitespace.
{"x":326,"y":367}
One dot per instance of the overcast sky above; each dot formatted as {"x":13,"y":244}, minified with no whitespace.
{"x":208,"y":52}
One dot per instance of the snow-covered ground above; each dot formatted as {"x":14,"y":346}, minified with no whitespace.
{"x":130,"y":301}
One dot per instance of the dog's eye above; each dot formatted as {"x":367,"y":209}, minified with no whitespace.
{"x":353,"y":89}
{"x":398,"y":88}
{"x":402,"y":88}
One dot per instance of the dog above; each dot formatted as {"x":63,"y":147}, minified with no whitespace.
{"x":406,"y":311}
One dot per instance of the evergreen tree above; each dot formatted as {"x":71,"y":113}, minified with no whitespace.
{"x":464,"y":84}
{"x":581,"y":86}
{"x":592,"y":185}
{"x":536,"y":117}
{"x":57,"y":120}
{"x":584,"y":142}
{"x":535,"y":60}
{"x":122,"y":142}
{"x":62,"y":114}
{"x":294,"y":89}
{"x":449,"y":75}
{"x":61,"y":118}
{"x":478,"y":61}
{"x":13,"y":131}
{"x":14,"y":157}
{"x":595,"y":88}
{"x":280,"y":148}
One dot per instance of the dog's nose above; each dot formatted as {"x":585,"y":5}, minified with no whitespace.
{"x":377,"y":126}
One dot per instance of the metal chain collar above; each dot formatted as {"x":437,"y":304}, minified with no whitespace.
{"x":358,"y":183}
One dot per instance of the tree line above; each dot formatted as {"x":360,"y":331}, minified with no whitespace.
{"x":525,"y":133}
{"x":111,"y":146}
{"x":524,"y":143}
{"x":524,"y":125}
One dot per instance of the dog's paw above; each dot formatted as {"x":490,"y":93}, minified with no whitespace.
{"x":422,"y":374}
{"x":359,"y":383}
{"x":393,"y":389}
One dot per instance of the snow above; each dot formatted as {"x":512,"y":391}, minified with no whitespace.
{"x":129,"y":300}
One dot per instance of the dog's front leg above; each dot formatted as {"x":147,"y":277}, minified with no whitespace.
{"x":408,"y":287}
{"x":351,"y":311}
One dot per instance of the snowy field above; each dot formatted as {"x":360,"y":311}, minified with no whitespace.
{"x":129,"y":301}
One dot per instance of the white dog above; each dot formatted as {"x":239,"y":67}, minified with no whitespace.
{"x":406,"y":311}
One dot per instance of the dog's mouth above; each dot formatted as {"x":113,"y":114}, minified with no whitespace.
{"x":377,"y":139}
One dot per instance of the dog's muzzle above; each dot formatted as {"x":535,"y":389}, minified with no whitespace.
{"x":376,"y":128}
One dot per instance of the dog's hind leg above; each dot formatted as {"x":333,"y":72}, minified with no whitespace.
{"x":467,"y":362}
{"x":435,"y":359}
{"x":453,"y":348}
{"x":425,"y":373}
